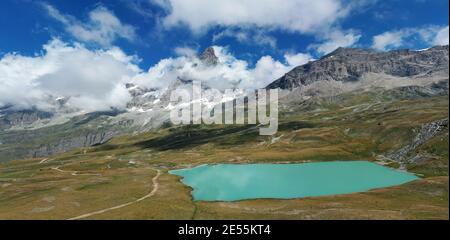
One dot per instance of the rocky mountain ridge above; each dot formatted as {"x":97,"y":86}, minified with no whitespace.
{"x":350,"y":64}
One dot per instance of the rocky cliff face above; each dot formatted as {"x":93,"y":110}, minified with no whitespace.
{"x":66,"y":144}
{"x":349,"y":65}
{"x":10,"y":118}
{"x":428,"y":131}
{"x":209,"y":57}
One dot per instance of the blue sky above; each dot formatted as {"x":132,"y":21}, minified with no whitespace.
{"x":27,"y":25}
{"x":87,"y":50}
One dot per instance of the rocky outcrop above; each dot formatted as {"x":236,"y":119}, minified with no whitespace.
{"x":428,"y":131}
{"x":413,"y":92}
{"x":348,"y":64}
{"x":209,"y":57}
{"x":66,"y":144}
{"x":11,"y":118}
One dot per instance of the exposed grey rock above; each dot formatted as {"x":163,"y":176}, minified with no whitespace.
{"x":413,"y":92}
{"x":66,"y":144}
{"x":209,"y":57}
{"x":80,"y":131}
{"x":347,"y":65}
{"x":142,"y":97}
{"x":428,"y":131}
{"x":10,"y":118}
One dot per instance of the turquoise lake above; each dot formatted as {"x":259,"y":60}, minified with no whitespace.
{"x":232,"y":182}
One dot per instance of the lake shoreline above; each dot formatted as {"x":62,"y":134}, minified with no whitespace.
{"x":389,"y":171}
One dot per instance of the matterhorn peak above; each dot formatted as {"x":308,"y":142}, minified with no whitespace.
{"x":209,"y":57}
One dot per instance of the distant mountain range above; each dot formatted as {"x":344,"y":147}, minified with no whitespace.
{"x":34,"y":133}
{"x":351,"y":64}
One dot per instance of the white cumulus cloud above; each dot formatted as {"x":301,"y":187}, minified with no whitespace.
{"x":95,"y":79}
{"x":102,"y":27}
{"x":405,"y":37}
{"x":250,"y":21}
{"x":230,"y":72}
{"x":90,"y":80}
{"x":293,"y":15}
{"x":185,"y":51}
{"x":388,"y":39}
{"x":247,"y":36}
{"x":441,"y":37}
{"x":334,"y":39}
{"x":297,"y":59}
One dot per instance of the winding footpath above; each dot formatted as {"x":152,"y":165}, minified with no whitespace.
{"x":75,"y":173}
{"x":43,"y":160}
{"x":154,"y":190}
